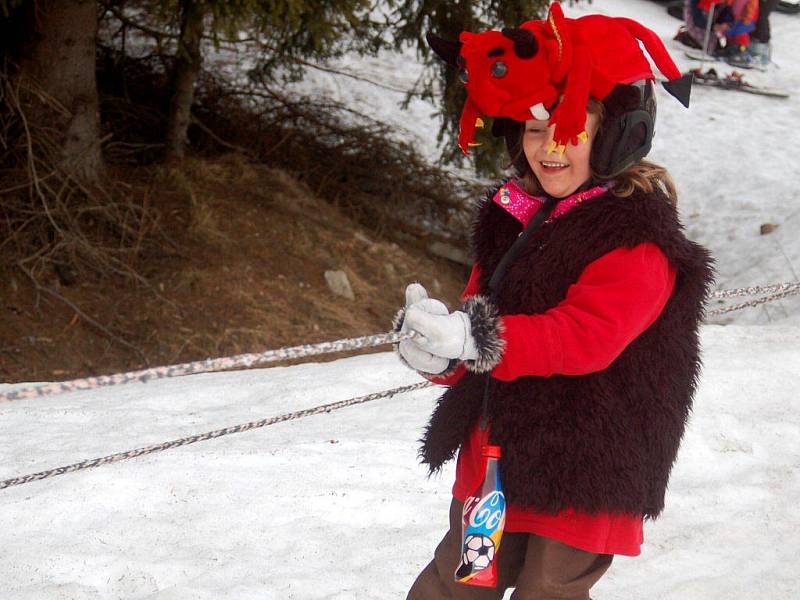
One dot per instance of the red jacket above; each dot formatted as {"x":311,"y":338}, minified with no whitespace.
{"x":616,"y":298}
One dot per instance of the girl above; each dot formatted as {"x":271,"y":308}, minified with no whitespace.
{"x":589,"y":344}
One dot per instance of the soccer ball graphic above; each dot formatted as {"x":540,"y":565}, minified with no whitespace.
{"x":478,"y":552}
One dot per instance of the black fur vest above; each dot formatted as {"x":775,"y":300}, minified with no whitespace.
{"x":605,"y":441}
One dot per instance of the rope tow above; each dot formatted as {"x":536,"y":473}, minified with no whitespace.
{"x":203,"y":366}
{"x":210,"y":435}
{"x":771,"y":293}
{"x":775,"y":292}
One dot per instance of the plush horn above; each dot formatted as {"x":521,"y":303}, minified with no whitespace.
{"x":447,"y":51}
{"x":525,"y":45}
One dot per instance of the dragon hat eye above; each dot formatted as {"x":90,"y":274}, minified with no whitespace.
{"x":499,"y":69}
{"x":463,"y":75}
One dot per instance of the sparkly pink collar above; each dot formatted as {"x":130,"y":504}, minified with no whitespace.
{"x":522,"y":206}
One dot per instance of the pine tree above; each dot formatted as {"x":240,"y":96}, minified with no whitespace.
{"x":282,"y":32}
{"x":447,"y":19}
{"x":52,"y":44}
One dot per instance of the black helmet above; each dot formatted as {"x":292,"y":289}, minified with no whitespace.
{"x":625,"y":135}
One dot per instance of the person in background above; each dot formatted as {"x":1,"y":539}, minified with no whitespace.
{"x":733,"y":20}
{"x":759,"y":51}
{"x":737,"y":20}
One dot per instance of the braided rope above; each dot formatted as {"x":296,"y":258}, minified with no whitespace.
{"x":204,"y":366}
{"x":210,"y":435}
{"x":791,"y":291}
{"x":775,"y":292}
{"x":756,"y":290}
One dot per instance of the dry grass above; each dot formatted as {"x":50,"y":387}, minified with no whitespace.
{"x":262,"y":288}
{"x":220,"y":254}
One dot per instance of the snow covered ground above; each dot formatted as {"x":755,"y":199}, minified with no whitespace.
{"x":336,"y":506}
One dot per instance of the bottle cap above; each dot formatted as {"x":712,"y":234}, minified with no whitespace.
{"x":491,"y":451}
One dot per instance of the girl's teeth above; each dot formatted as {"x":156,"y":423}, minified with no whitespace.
{"x":551,"y":164}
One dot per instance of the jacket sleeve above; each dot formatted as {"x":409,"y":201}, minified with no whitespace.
{"x":457,"y":369}
{"x":616,"y":298}
{"x":739,"y":28}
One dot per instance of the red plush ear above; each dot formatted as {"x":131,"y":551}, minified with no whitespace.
{"x":560,"y":44}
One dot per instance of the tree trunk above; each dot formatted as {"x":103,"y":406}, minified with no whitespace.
{"x":61,"y":60}
{"x":187,"y":68}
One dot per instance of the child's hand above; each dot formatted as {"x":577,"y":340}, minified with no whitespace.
{"x":410,"y":352}
{"x":420,"y":360}
{"x":472,"y":335}
{"x":448,"y":336}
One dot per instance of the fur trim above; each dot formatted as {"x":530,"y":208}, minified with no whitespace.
{"x":397,"y":325}
{"x":487,"y":328}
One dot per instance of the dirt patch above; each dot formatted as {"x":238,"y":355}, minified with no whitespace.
{"x":250,"y":246}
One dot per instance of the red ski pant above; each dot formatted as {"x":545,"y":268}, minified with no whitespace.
{"x":539,"y":568}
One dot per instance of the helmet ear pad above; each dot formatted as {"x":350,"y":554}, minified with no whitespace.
{"x":626,"y":134}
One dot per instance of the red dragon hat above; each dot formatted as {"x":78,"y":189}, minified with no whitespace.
{"x":548,"y":69}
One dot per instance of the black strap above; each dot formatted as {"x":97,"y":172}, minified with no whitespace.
{"x":521,"y":241}
{"x":500,"y":273}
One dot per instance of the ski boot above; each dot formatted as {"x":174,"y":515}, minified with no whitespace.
{"x":761,"y":52}
{"x":741,"y":57}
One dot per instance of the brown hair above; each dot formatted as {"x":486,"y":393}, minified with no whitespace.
{"x":644,"y":175}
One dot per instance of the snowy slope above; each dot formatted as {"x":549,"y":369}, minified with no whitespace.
{"x":336,"y":506}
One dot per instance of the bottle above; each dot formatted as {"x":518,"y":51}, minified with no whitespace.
{"x":482,"y":522}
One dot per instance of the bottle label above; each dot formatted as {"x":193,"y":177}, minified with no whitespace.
{"x":483,"y":518}
{"x":485,"y":513}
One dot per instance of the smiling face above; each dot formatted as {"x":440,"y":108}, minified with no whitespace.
{"x":558,"y":175}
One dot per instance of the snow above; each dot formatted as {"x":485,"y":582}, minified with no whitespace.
{"x":336,"y":506}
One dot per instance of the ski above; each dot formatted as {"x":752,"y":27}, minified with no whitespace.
{"x":788,"y":6}
{"x":701,"y":56}
{"x":734,"y":81}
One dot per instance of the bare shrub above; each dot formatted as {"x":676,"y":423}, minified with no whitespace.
{"x":50,"y":220}
{"x":348,"y":158}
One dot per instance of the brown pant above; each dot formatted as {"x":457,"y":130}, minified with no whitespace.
{"x":539,"y":568}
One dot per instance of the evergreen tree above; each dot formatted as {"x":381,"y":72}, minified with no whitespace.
{"x":52,"y":45}
{"x":447,"y":19}
{"x":281,"y":33}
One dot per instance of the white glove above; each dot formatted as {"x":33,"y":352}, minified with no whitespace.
{"x":409,"y":350}
{"x":445,"y":335}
